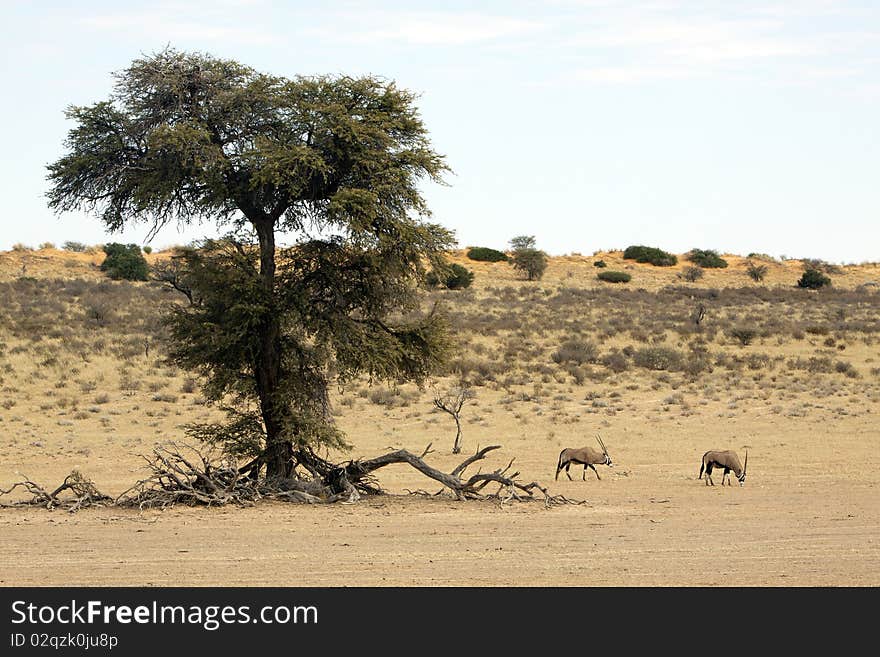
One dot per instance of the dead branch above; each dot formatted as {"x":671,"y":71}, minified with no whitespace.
{"x":462,"y":490}
{"x":84,"y":494}
{"x":480,"y":454}
{"x":182,"y":474}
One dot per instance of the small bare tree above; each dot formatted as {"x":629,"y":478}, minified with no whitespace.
{"x":172,"y":273}
{"x":452,"y":402}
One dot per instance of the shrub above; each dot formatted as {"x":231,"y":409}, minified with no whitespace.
{"x":458,"y":277}
{"x":147,"y":249}
{"x":843,"y":367}
{"x":485,"y":254}
{"x":756,"y":272}
{"x":21,"y":247}
{"x":813,"y":279}
{"x":600,"y":263}
{"x":47,"y":245}
{"x":455,"y":278}
{"x":616,"y":362}
{"x":744,"y":335}
{"x":575,"y":351}
{"x":614,"y":276}
{"x":814,"y":364}
{"x":76,"y":247}
{"x":691,"y":274}
{"x":658,"y":358}
{"x":707,"y":259}
{"x":821,"y":265}
{"x":125,"y":262}
{"x":99,"y":313}
{"x":651,"y":255}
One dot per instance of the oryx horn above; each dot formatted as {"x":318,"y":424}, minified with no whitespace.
{"x":601,"y":443}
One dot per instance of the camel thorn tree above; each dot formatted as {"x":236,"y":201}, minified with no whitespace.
{"x":333,"y":164}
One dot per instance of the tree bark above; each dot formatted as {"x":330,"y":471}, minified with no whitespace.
{"x":267,"y":367}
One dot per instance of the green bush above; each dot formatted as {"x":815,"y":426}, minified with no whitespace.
{"x":125,"y":261}
{"x":485,"y":254}
{"x":614,"y":276}
{"x":692,"y":274}
{"x":707,"y":259}
{"x":148,"y":249}
{"x":529,"y":261}
{"x":651,"y":255}
{"x":458,"y":277}
{"x":600,"y":263}
{"x":813,"y":279}
{"x":76,"y":247}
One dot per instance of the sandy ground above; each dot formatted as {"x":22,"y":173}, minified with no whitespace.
{"x":808,"y":515}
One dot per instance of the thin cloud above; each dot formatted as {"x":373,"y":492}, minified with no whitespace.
{"x":629,"y":74}
{"x":170,"y":26}
{"x":634,"y":43}
{"x":426,"y":28}
{"x":705,"y":41}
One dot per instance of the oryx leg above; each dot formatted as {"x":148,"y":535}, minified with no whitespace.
{"x":726,"y":474}
{"x":594,"y":470}
{"x":567,"y":466}
{"x":709,"y":475}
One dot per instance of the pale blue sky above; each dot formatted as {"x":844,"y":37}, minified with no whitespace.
{"x":591,"y":124}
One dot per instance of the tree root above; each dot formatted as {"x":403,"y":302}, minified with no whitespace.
{"x":181,"y":474}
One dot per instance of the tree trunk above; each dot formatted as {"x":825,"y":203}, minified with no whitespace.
{"x":456,"y":446}
{"x":267,"y":367}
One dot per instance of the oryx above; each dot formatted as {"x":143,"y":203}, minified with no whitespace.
{"x":584,"y":455}
{"x":726,"y":459}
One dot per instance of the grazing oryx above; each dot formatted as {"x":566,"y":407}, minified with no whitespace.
{"x":726,"y":459}
{"x":585,"y":455}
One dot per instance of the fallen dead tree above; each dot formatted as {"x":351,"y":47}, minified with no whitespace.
{"x":509,"y":487}
{"x":184,"y":475}
{"x":74,"y":493}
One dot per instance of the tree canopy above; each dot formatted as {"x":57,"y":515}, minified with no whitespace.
{"x":335,"y":162}
{"x":526,"y":258}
